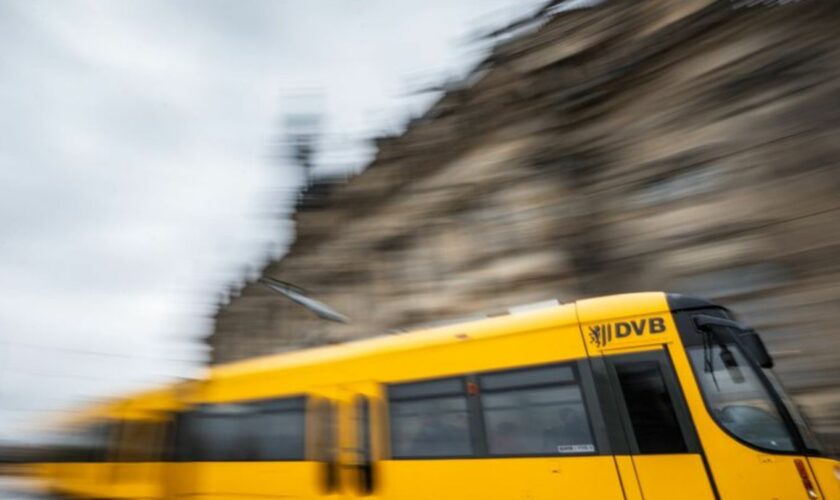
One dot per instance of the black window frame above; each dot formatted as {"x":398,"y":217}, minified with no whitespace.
{"x":185,"y":452}
{"x":583,"y":376}
{"x":414,"y":390}
{"x":592,"y":414}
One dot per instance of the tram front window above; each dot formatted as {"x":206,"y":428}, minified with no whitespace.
{"x":810,"y":439}
{"x":737,"y":398}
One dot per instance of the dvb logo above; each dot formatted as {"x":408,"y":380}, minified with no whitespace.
{"x":603,"y":334}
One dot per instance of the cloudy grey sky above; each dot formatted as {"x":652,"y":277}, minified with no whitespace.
{"x":138,"y":165}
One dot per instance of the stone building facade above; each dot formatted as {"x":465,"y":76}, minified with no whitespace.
{"x":680,"y":145}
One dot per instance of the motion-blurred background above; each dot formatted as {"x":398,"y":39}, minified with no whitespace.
{"x":403,"y":162}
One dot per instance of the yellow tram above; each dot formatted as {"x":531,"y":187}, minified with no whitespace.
{"x":638,"y":396}
{"x":115,"y":449}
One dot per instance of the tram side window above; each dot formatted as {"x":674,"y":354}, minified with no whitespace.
{"x":536,"y":411}
{"x":97,"y":442}
{"x":215,"y":433}
{"x":430,"y":419}
{"x":277,"y":430}
{"x":138,"y":441}
{"x":262,"y":431}
{"x":88,"y":444}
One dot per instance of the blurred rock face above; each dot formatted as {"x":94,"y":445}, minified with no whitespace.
{"x":687,"y":146}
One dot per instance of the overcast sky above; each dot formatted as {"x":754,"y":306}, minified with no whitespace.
{"x":139,"y":169}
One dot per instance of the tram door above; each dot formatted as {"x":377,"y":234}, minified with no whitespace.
{"x":360,"y":443}
{"x":664,"y":452}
